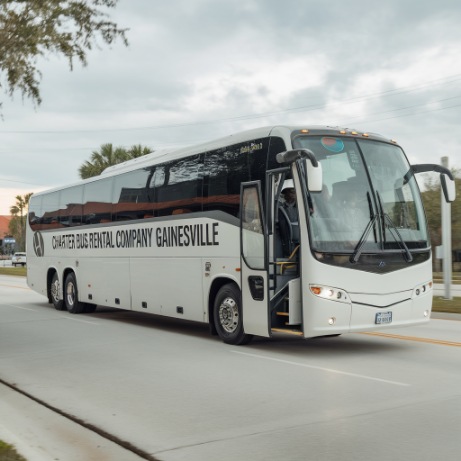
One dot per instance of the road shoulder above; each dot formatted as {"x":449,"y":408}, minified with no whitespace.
{"x":40,"y":434}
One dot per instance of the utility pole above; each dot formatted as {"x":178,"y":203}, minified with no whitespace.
{"x":446,"y":238}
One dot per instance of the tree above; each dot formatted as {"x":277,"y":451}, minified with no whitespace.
{"x":138,"y":151}
{"x":17,"y":225}
{"x":30,"y":29}
{"x":109,"y":156}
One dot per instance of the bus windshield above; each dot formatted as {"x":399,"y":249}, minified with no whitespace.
{"x":369,"y":203}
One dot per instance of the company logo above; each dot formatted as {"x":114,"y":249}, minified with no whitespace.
{"x":381,"y":264}
{"x":39,"y":246}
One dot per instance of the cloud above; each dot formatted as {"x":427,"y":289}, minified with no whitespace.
{"x":199,"y":69}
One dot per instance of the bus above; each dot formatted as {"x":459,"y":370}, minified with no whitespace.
{"x":198,"y":233}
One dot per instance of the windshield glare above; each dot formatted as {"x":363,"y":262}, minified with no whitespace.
{"x":363,"y":182}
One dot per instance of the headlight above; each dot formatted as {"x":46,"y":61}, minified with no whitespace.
{"x":333,"y":294}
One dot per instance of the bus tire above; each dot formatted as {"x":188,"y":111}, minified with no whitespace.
{"x":55,"y":292}
{"x":73,"y":305}
{"x":227,"y":315}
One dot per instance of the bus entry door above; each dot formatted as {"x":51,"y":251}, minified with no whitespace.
{"x":255,"y":296}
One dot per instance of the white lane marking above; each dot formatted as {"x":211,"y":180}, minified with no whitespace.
{"x":79,"y":320}
{"x":15,"y":286}
{"x":20,"y":307}
{"x":66,"y":318}
{"x":329,"y":370}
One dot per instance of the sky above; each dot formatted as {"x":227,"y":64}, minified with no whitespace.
{"x":197,"y":70}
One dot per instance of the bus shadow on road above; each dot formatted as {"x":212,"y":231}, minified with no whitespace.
{"x":347,"y":344}
{"x":352,"y":343}
{"x":153,"y":321}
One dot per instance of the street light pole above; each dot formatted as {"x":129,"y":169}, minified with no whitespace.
{"x":446,"y":238}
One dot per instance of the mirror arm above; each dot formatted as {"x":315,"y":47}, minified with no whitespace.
{"x":291,"y":156}
{"x":425,"y":167}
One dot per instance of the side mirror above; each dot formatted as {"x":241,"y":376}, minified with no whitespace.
{"x":314,"y":177}
{"x":448,"y":187}
{"x":446,"y":178}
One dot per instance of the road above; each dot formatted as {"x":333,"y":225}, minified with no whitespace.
{"x":176,"y":393}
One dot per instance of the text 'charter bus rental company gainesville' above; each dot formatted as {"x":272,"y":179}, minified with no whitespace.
{"x":203,"y":234}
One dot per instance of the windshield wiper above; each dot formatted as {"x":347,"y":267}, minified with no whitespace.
{"x":363,"y":239}
{"x":393,"y":228}
{"x":373,"y":218}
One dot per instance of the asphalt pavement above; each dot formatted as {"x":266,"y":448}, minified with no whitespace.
{"x":41,"y":434}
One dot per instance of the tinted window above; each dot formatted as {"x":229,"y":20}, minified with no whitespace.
{"x":97,"y":201}
{"x":71,"y":206}
{"x":50,"y":211}
{"x":276,"y":146}
{"x":35,"y":212}
{"x":131,"y":197}
{"x":181,"y":191}
{"x":225,"y":169}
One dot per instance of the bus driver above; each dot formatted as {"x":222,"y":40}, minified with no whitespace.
{"x":288,"y":218}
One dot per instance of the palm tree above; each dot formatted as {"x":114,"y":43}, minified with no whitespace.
{"x":138,"y":151}
{"x":108,"y":156}
{"x":17,"y":225}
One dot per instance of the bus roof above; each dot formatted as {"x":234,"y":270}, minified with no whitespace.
{"x":165,"y":155}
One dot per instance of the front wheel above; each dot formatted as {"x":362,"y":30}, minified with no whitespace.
{"x":227,"y":315}
{"x":73,"y":305}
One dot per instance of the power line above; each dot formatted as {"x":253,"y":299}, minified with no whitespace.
{"x":311,"y":107}
{"x":346,"y":123}
{"x":410,"y":115}
{"x":412,"y":107}
{"x":20,"y":182}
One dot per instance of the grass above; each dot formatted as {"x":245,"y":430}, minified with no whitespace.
{"x":8,"y":453}
{"x":21,"y":271}
{"x":444,"y":305}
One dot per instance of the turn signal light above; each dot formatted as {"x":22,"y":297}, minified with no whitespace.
{"x":333,"y":294}
{"x":422,"y":289}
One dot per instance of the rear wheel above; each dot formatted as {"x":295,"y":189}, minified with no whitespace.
{"x":73,"y":305}
{"x":55,"y":291}
{"x":227,"y":315}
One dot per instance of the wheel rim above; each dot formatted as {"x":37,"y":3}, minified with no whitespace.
{"x":55,"y":290}
{"x":70,"y":294}
{"x":229,"y":315}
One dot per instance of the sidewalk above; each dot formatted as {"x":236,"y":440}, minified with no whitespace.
{"x":40,"y":434}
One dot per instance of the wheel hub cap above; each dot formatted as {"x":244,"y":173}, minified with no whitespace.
{"x":228,"y":315}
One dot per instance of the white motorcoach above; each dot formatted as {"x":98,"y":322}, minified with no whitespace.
{"x":198,"y":233}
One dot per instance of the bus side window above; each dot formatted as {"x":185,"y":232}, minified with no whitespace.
{"x":224,"y":170}
{"x":97,"y":201}
{"x":71,"y":207}
{"x":130,"y":197}
{"x":182,"y":190}
{"x":35,"y":213}
{"x":50,"y":211}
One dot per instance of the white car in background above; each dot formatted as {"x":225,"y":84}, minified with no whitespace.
{"x":19,"y":259}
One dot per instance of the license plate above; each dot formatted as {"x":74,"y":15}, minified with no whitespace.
{"x":383,"y":317}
